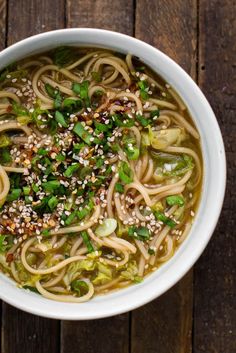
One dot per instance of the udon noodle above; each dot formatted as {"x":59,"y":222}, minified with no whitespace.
{"x":100,"y":172}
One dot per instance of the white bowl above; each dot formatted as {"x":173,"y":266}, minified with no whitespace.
{"x":213,"y":183}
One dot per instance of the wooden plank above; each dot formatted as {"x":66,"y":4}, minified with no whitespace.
{"x":23,"y":332}
{"x":3,"y":13}
{"x":215,"y":286}
{"x":106,"y":335}
{"x":27,"y":17}
{"x":170,"y":26}
{"x":165,"y":325}
{"x":112,"y":334}
{"x":114,"y":15}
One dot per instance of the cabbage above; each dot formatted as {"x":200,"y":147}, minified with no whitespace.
{"x":76,"y":268}
{"x":157,"y":206}
{"x":23,"y":275}
{"x":107,"y":227}
{"x":104,"y":274}
{"x":83,"y":265}
{"x":4,"y":141}
{"x":130,"y":272}
{"x":169,"y":165}
{"x":179,"y":213}
{"x":101,"y":278}
{"x":122,"y":229}
{"x":4,"y":263}
{"x":163,"y":138}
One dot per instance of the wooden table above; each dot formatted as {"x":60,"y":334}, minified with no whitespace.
{"x":199,"y":313}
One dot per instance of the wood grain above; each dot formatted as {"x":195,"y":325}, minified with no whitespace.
{"x":107,"y":335}
{"x":215,"y":286}
{"x":3,"y":24}
{"x":165,"y":325}
{"x":27,"y":17}
{"x":170,"y":26}
{"x":114,"y":15}
{"x":23,"y":332}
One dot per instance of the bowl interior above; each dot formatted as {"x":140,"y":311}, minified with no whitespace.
{"x":213,"y":181}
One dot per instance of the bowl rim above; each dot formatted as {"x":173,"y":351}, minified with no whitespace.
{"x":168,"y":275}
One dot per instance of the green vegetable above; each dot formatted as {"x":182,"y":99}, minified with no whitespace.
{"x":166,"y":220}
{"x":4,"y":141}
{"x":14,"y":195}
{"x":3,"y":243}
{"x":70,"y":218}
{"x":123,"y":120}
{"x":102,"y":127}
{"x":32,"y":289}
{"x":119,"y":188}
{"x":35,"y":188}
{"x":125,"y":173}
{"x":81,"y":89}
{"x":170,"y":165}
{"x":51,"y":186}
{"x":86,"y":241}
{"x":131,"y":271}
{"x":71,"y":169}
{"x":87,"y":208}
{"x":96,"y":76}
{"x":143,"y":86}
{"x":52,"y":203}
{"x":63,"y":56}
{"x":60,"y":157}
{"x":19,"y":110}
{"x":60,"y":119}
{"x":175,"y":200}
{"x":6,"y":71}
{"x":151,"y":251}
{"x":104,"y":274}
{"x":76,"y":268}
{"x":42,"y":152}
{"x":142,"y":120}
{"x":45,"y":232}
{"x":58,"y":100}
{"x":26,"y":190}
{"x":161,"y":139}
{"x":82,"y":133}
{"x":80,"y":287}
{"x":140,"y":233}
{"x":51,"y":91}
{"x":13,"y":72}
{"x":107,"y":227}
{"x":28,"y":200}
{"x":155,"y":113}
{"x":131,"y":151}
{"x":72,"y":105}
{"x":24,"y":119}
{"x":55,"y":94}
{"x":85,"y":171}
{"x":157,"y":206}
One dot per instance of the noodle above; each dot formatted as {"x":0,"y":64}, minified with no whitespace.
{"x":100,"y":172}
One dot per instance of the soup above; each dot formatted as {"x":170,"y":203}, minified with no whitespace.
{"x":100,"y":172}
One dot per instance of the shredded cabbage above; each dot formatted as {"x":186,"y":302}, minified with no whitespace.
{"x":131,"y":271}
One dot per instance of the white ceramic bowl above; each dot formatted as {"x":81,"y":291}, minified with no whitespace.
{"x":213,"y":183}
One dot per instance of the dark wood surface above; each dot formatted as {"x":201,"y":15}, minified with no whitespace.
{"x":198,"y":314}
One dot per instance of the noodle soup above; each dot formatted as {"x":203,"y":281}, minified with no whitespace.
{"x":100,"y":172}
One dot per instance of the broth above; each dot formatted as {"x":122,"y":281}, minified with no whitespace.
{"x":100,"y":172}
